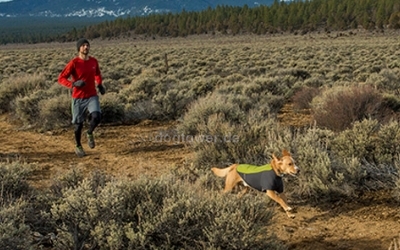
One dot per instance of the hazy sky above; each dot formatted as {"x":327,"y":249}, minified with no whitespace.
{"x":5,"y":0}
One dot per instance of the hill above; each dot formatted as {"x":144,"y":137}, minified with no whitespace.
{"x":111,"y":8}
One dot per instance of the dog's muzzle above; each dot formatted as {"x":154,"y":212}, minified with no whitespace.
{"x":296,"y":170}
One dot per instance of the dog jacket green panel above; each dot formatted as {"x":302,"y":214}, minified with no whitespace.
{"x":261,"y":178}
{"x":252,"y":169}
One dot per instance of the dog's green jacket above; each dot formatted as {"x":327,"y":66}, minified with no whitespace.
{"x":261,"y":178}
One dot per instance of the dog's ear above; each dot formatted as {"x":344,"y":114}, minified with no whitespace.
{"x":285,"y":153}
{"x":275,"y":158}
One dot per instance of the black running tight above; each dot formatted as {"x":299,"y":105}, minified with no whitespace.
{"x":95,"y":118}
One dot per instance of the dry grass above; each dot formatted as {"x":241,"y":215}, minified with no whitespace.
{"x":278,"y":65}
{"x":395,"y":244}
{"x":211,"y":84}
{"x":236,"y":85}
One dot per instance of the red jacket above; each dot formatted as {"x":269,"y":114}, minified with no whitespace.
{"x":79,"y":69}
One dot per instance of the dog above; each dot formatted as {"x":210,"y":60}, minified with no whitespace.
{"x":266,"y":178}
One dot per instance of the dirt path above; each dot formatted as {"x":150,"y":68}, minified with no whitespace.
{"x":369,"y":222}
{"x":128,"y":151}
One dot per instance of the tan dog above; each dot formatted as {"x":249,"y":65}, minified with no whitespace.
{"x":266,"y":178}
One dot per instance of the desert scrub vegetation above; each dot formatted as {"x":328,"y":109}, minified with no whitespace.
{"x":160,"y":79}
{"x":338,"y":107}
{"x":100,"y":212}
{"x":17,"y":86}
{"x":14,"y":205}
{"x":235,"y":87}
{"x":361,"y":157}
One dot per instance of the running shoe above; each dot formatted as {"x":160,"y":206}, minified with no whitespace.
{"x":79,"y":151}
{"x":90,"y":138}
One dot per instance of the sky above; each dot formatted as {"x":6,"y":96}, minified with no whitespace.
{"x":5,"y":1}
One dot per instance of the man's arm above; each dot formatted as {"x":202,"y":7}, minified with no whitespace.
{"x":98,"y":79}
{"x":64,"y":76}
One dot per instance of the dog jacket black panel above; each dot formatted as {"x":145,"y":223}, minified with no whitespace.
{"x":261,"y":178}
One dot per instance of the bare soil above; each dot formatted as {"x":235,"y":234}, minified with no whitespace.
{"x":368,"y":222}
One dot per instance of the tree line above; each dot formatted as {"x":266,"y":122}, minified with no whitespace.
{"x":296,"y":16}
{"x":304,"y":16}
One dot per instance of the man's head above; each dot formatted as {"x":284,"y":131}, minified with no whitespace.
{"x":81,"y":42}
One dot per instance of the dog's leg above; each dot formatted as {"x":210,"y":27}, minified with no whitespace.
{"x":232,"y":179}
{"x":243,"y":192}
{"x":281,"y":199}
{"x":289,"y":209}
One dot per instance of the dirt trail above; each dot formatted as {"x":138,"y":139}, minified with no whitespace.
{"x":369,"y":222}
{"x":128,"y":151}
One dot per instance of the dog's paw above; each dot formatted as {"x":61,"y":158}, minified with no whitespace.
{"x":290,"y":215}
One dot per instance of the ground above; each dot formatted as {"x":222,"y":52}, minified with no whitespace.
{"x":369,"y":222}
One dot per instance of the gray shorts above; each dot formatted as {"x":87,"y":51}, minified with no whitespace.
{"x":81,"y":106}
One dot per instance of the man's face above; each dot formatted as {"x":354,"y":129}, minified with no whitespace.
{"x":84,"y":49}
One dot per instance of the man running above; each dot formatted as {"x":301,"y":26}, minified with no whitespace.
{"x":82,"y":75}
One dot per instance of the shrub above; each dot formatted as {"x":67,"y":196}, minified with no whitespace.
{"x":70,"y":179}
{"x":76,"y":212}
{"x":142,"y":214}
{"x":13,"y":180}
{"x":15,"y":234}
{"x":255,"y":94}
{"x":392,"y":102}
{"x":40,"y":110}
{"x":339,"y":164}
{"x":19,"y":86}
{"x":139,"y":89}
{"x":14,"y":231}
{"x":173,"y":102}
{"x":55,"y":112}
{"x":112,"y":109}
{"x":253,"y":141}
{"x":73,"y":198}
{"x":26,"y":108}
{"x":387,"y":143}
{"x":204,"y":86}
{"x":386,"y":79}
{"x":332,"y":164}
{"x":201,"y":109}
{"x":337,"y":108}
{"x":141,"y":110}
{"x":315,"y":81}
{"x":365,"y":154}
{"x":215,"y":142}
{"x":312,"y":157}
{"x":279,"y":85}
{"x":369,"y":140}
{"x":303,"y":98}
{"x":356,"y":141}
{"x":157,"y":99}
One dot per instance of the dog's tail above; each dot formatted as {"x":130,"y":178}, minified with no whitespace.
{"x":222,"y":172}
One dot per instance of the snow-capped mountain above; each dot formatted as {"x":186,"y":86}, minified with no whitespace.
{"x":111,"y":8}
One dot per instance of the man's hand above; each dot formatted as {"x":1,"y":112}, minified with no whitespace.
{"x":78,"y":84}
{"x":101,"y":89}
